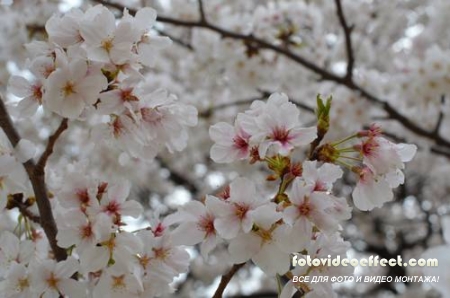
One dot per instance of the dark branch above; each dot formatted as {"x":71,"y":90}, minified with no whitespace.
{"x":440,"y":117}
{"x":201,"y":9}
{"x":176,"y":40}
{"x":178,"y":179}
{"x":16,"y":201}
{"x":47,"y":220}
{"x":323,"y":73}
{"x":226,"y":279}
{"x":348,"y":41}
{"x":40,"y":166}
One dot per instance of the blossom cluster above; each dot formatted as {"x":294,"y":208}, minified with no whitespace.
{"x":94,"y":74}
{"x":303,"y":215}
{"x":267,"y":128}
{"x":85,"y":71}
{"x":105,"y":259}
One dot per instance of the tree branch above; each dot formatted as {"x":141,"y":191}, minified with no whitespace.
{"x":348,"y":41}
{"x":177,"y":178}
{"x":16,"y":201}
{"x":440,"y":117}
{"x":202,"y":11}
{"x":226,"y":279}
{"x":37,"y":180}
{"x":40,"y":166}
{"x":323,"y":73}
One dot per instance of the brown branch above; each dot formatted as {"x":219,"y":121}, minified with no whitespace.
{"x":37,"y":180}
{"x":440,"y":117}
{"x":323,"y":73}
{"x":348,"y":41}
{"x":177,"y":178}
{"x":176,"y":40}
{"x":16,"y":201}
{"x":40,"y":166}
{"x":201,"y":10}
{"x":226,"y":279}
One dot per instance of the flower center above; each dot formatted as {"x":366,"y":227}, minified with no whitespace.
{"x":280,"y":134}
{"x":207,"y":224}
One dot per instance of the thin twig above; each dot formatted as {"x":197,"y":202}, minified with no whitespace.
{"x":176,"y":40}
{"x":440,"y":117}
{"x":201,"y":9}
{"x":323,"y":73}
{"x":16,"y":201}
{"x":348,"y":40}
{"x":178,"y":178}
{"x":40,"y":166}
{"x":226,"y":279}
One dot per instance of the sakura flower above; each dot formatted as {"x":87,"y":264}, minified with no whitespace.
{"x":117,"y":283}
{"x":31,"y":94}
{"x":278,"y":128}
{"x":231,"y":143}
{"x":269,"y":245}
{"x":12,"y":249}
{"x":147,"y":45}
{"x":52,"y":279}
{"x":159,"y":255}
{"x":117,"y":100}
{"x":197,"y":225}
{"x":321,"y":178}
{"x":383,"y":156}
{"x":13,"y":177}
{"x":164,"y":119}
{"x":120,"y":248}
{"x":115,"y":205}
{"x":70,"y":88}
{"x":76,"y":229}
{"x":107,"y":42}
{"x":371,"y":191}
{"x":17,"y":283}
{"x":79,"y":192}
{"x":65,"y":30}
{"x":234,"y":215}
{"x":309,"y":209}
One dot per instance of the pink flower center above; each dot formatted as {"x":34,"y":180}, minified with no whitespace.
{"x":304,"y":209}
{"x":159,"y":230}
{"x":112,"y":208}
{"x":206,"y":224}
{"x":369,"y":147}
{"x":152,"y":116}
{"x":320,"y":186}
{"x":86,"y":232}
{"x":37,"y":93}
{"x":280,"y":134}
{"x":127,"y":95}
{"x":240,"y":143}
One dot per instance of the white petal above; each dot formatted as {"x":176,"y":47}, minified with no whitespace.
{"x":66,"y":268}
{"x":271,"y":260}
{"x":406,"y":151}
{"x":187,"y":234}
{"x":24,"y":150}
{"x":243,"y":247}
{"x":227,"y":227}
{"x":19,"y":86}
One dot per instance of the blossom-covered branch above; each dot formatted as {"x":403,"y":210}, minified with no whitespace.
{"x":37,"y":179}
{"x":322,"y":73}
